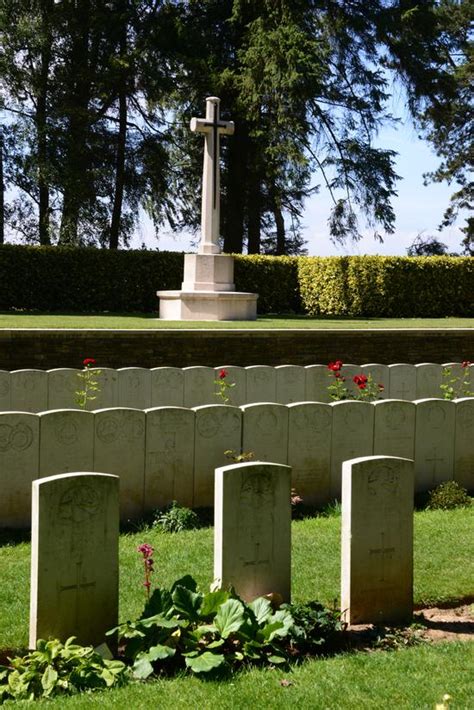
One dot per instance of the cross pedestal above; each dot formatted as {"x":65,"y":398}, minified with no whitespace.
{"x":208,"y":290}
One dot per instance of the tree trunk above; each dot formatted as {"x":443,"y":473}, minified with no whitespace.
{"x":76,"y":178}
{"x":2,"y":188}
{"x":253,"y":210}
{"x":41,"y":126}
{"x":120,"y":154}
{"x":280,"y":227}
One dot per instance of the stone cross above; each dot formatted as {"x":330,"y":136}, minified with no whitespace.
{"x":212,"y":127}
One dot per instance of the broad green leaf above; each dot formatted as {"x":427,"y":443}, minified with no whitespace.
{"x":187,"y":602}
{"x":262,"y":609}
{"x":212,"y":601}
{"x":277,"y":659}
{"x":187,"y":582}
{"x":142,"y":668}
{"x":161,"y":621}
{"x":160,"y":652}
{"x":205,"y":662}
{"x":48,"y":679}
{"x":270,"y":630}
{"x":278,"y":625}
{"x":230,"y":617}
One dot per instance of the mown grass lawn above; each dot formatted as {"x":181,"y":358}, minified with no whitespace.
{"x":410,"y":678}
{"x":137,"y":321}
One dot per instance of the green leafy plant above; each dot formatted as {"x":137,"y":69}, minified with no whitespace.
{"x":59,"y":669}
{"x":242,"y":457}
{"x":89,"y":384}
{"x":217,"y":631}
{"x":447,"y":495}
{"x":223,"y":386}
{"x":176,"y":518}
{"x":455,"y":386}
{"x":367,"y":390}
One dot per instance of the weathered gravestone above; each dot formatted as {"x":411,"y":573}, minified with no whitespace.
{"x":309,"y":451}
{"x":134,"y":386}
{"x":29,"y":390}
{"x":167,"y":387}
{"x":119,"y":448}
{"x":377,"y":540}
{"x":318,"y":379}
{"x":380,"y":376}
{"x":19,"y":461}
{"x":428,"y":380}
{"x":169,"y":457}
{"x":402,"y":381}
{"x":463,"y":443}
{"x":261,"y":384}
{"x":265,"y":432}
{"x":238,"y":377}
{"x":290,"y":384}
{"x":434,"y":442}
{"x":199,"y":386}
{"x":218,"y":429}
{"x":252,"y":533}
{"x":63,"y":383}
{"x":5,"y":391}
{"x":66,"y":441}
{"x":74,"y":557}
{"x":394,"y":428}
{"x":108,"y":383}
{"x":352,"y":436}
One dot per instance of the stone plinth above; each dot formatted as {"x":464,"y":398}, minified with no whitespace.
{"x":208,"y":272}
{"x":207,"y":305}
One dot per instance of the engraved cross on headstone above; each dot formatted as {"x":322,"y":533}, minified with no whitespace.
{"x":383,"y":552}
{"x":213,"y":128}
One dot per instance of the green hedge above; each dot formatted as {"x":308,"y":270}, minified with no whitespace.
{"x":94,"y":280}
{"x":387,"y":286}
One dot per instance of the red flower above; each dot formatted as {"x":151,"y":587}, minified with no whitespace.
{"x":362,"y":386}
{"x":360,"y":381}
{"x":145,"y":549}
{"x":88,"y":362}
{"x":335,"y":366}
{"x":381,"y":387}
{"x":223,"y":374}
{"x":465,"y":363}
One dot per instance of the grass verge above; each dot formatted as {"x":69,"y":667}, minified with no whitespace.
{"x":137,"y":321}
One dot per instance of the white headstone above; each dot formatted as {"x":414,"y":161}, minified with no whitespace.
{"x":402,"y":381}
{"x":169,"y":459}
{"x":434,"y":442}
{"x":290,"y":384}
{"x":394,"y":428}
{"x":261,"y":384}
{"x":309,"y":451}
{"x":464,"y":443}
{"x":199,"y":386}
{"x":428,"y":380}
{"x":107,"y":395}
{"x":167,"y":387}
{"x":218,"y":429}
{"x":318,"y":379}
{"x":5,"y":391}
{"x":380,"y":376}
{"x":74,"y":557}
{"x":265,"y":432}
{"x":29,"y":390}
{"x":134,"y":385}
{"x":119,"y":448}
{"x":377,"y":540}
{"x":252,"y":533}
{"x":63,"y":383}
{"x":19,"y":465}
{"x":352,"y":436}
{"x":66,"y":442}
{"x":236,"y":376}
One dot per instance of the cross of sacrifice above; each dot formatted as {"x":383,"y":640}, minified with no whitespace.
{"x":213,"y":128}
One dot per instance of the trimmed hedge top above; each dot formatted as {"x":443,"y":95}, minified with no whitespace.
{"x":93,"y":280}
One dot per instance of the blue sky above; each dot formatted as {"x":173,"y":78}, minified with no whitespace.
{"x":418,"y":208}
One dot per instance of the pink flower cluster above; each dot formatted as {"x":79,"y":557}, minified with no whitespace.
{"x":147,"y":551}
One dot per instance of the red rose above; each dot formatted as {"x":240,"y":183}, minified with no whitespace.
{"x":223,"y":374}
{"x":360,"y":381}
{"x":88,"y":362}
{"x":335,"y":366}
{"x":381,"y":387}
{"x":465,"y":363}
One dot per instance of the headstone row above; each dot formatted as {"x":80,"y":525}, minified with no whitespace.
{"x":140,"y":388}
{"x":170,"y":453}
{"x":74,"y":560}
